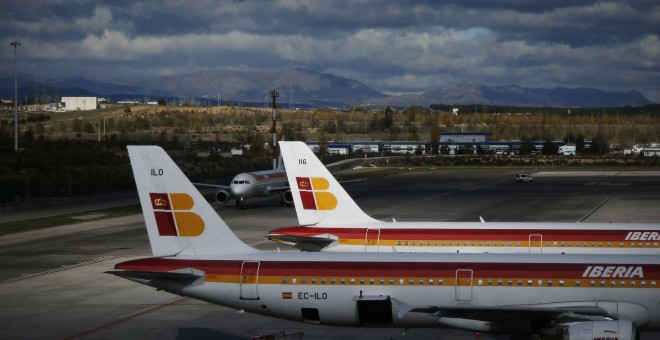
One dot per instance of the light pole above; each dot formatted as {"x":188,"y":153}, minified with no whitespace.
{"x":15,"y":44}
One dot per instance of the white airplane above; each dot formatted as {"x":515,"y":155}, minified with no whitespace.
{"x":568,"y":296}
{"x":265,"y":183}
{"x":331,"y":221}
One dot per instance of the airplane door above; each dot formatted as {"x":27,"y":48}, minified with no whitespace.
{"x":463,"y":284}
{"x":372,"y":241}
{"x":535,"y":244}
{"x":249,"y":279}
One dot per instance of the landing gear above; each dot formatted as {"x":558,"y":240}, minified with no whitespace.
{"x":240,"y":203}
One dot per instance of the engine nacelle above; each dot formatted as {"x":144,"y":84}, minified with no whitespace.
{"x":601,"y":330}
{"x":222,"y":196}
{"x":288,"y":197}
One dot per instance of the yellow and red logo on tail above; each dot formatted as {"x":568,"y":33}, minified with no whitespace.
{"x":173,"y":215}
{"x":314,"y":194}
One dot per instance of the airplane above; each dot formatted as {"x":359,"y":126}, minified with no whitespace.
{"x":196,"y":255}
{"x":331,"y":221}
{"x":264,"y":183}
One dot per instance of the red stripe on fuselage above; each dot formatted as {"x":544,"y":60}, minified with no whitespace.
{"x":384,"y":269}
{"x":597,"y":235}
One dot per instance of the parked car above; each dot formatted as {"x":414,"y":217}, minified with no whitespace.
{"x":524,"y":178}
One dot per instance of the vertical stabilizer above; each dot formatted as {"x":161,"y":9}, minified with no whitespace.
{"x":178,"y":218}
{"x":317,"y":195}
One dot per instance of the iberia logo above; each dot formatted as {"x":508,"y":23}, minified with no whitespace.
{"x":314,"y":195}
{"x":173,"y":215}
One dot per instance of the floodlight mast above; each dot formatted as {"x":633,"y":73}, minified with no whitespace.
{"x":15,"y":44}
{"x":274,"y":94}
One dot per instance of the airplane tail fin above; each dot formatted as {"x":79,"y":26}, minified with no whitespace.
{"x":179,"y":220}
{"x":317,"y":195}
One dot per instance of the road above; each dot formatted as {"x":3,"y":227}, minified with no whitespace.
{"x":52,"y":283}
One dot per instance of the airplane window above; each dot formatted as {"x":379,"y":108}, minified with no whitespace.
{"x":480,"y":282}
{"x":362,"y":281}
{"x":398,"y":243}
{"x":510,"y":244}
{"x":620,"y":244}
{"x":609,"y":244}
{"x":643,"y":283}
{"x":593,"y":244}
{"x":414,"y":243}
{"x":411,"y":281}
{"x":428,"y":243}
{"x":323,"y":280}
{"x":655,"y":245}
{"x":613,"y":283}
{"x":294,"y":280}
{"x":436,"y":243}
{"x":235,"y":182}
{"x":443,"y":243}
{"x":391,"y":281}
{"x":529,"y":282}
{"x":509,"y":282}
{"x":570,"y":244}
{"x":430,"y":281}
{"x":352,"y":281}
{"x":539,"y":283}
{"x":421,"y":281}
{"x":519,"y":282}
{"x":600,"y":244}
{"x":648,"y":245}
{"x":490,"y":282}
{"x":400,"y":281}
{"x":632,"y":284}
{"x":487,"y":244}
{"x":632,"y":244}
{"x":303,"y":280}
{"x":653,"y":284}
{"x":343,"y":280}
{"x":561,"y":282}
{"x":247,"y":182}
{"x":332,"y":280}
{"x":314,"y":280}
{"x":284,"y":280}
{"x":441,"y":282}
{"x":623,"y":283}
{"x":381,"y":281}
{"x":517,"y":244}
{"x":499,"y":282}
{"x":562,"y":244}
{"x":406,"y":243}
{"x":479,"y":244}
{"x":549,"y":282}
{"x":592,"y":283}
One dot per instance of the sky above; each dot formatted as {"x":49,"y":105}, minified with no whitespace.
{"x":391,"y":46}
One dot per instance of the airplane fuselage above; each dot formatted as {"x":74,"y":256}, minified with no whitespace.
{"x":490,"y":237}
{"x":402,"y":290}
{"x":257,"y":184}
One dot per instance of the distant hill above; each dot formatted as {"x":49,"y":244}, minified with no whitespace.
{"x":514,"y":95}
{"x":301,"y":86}
{"x":294,"y":85}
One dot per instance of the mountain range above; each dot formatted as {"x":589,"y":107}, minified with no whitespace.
{"x":306,"y":87}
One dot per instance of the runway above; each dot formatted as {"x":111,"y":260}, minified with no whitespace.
{"x":52,"y":283}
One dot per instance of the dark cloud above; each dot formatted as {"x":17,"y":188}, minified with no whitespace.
{"x":392,"y":46}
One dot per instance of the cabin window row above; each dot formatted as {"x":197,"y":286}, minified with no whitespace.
{"x":517,"y":244}
{"x":478,"y":282}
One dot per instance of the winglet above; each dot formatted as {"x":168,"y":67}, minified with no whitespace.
{"x":179,"y":220}
{"x":317,"y":195}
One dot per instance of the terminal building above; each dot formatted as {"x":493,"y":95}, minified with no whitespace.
{"x":450,"y":143}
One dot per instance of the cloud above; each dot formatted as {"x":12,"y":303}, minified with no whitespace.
{"x":393,"y":46}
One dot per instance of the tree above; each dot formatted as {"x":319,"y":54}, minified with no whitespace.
{"x":549,"y":148}
{"x":257,"y":145}
{"x":579,"y":144}
{"x":388,"y":118}
{"x":599,"y":145}
{"x":162,"y":101}
{"x":526,"y":147}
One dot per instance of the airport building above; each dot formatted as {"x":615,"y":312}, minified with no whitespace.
{"x":79,"y":103}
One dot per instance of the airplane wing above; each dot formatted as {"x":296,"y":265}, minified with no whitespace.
{"x":223,"y":187}
{"x":179,"y":275}
{"x":307,"y":243}
{"x":278,"y":189}
{"x":515,"y":317}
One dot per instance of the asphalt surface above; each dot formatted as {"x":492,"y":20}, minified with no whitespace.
{"x":52,"y":283}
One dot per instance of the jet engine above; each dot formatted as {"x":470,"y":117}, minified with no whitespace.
{"x":222,"y":196}
{"x":288,"y":197}
{"x":602,"y":330}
